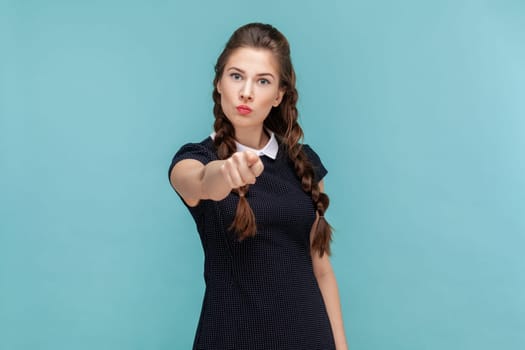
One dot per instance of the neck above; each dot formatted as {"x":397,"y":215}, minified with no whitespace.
{"x":253,"y":138}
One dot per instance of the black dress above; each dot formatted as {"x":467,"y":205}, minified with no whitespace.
{"x":261,"y":293}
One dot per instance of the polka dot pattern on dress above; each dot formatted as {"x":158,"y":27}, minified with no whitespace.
{"x":261,"y":293}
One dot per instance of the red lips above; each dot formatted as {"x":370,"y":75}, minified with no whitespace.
{"x":243,"y":109}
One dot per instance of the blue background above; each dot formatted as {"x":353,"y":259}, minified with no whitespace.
{"x":417,"y":109}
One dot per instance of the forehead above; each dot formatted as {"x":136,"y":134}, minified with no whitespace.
{"x":252,"y":60}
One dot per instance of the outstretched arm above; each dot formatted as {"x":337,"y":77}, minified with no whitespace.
{"x":195,"y":181}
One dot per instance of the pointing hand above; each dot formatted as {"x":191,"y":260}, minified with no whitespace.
{"x":242,"y":168}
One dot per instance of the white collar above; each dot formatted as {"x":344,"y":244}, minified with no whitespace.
{"x":270,"y":150}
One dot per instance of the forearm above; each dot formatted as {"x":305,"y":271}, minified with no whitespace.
{"x":328,"y":285}
{"x":195,"y":181}
{"x":215,"y":180}
{"x":213,"y":184}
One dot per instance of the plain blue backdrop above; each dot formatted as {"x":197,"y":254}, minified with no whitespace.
{"x":417,"y":109}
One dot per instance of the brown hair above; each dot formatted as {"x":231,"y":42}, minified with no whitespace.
{"x":282,"y":120}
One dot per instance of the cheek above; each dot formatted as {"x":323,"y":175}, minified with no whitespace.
{"x":227,"y":92}
{"x":226,"y":105}
{"x":224,"y":98}
{"x":270,"y":99}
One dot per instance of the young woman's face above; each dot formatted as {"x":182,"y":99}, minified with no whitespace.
{"x":249,"y":87}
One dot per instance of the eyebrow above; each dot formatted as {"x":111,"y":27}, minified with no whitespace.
{"x":260,"y":74}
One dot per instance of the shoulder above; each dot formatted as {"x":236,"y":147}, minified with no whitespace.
{"x":319,"y":168}
{"x":203,"y":152}
{"x":310,"y":153}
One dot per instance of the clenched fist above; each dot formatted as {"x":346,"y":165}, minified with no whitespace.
{"x":242,"y":168}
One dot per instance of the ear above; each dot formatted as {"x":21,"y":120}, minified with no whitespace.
{"x":279,"y":97}
{"x":218,"y":86}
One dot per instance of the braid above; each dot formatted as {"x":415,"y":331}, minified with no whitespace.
{"x":304,"y":170}
{"x":244,"y":221}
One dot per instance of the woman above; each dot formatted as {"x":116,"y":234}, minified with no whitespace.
{"x":256,"y":195}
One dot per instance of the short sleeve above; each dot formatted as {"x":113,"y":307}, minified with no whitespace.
{"x":319,"y":169}
{"x":197,"y":151}
{"x":203,"y":152}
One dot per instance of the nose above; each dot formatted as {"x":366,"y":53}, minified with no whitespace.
{"x":246,"y":92}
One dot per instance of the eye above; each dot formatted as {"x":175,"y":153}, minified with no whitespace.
{"x":235,"y":76}
{"x":264,"y":81}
